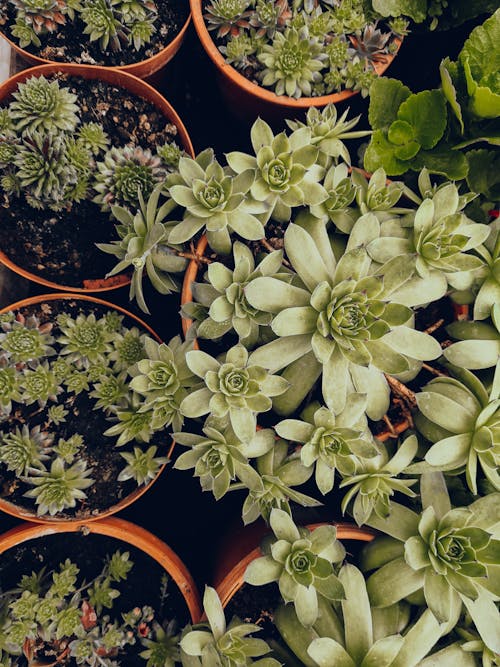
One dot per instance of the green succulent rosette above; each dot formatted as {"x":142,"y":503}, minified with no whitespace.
{"x":343,"y":323}
{"x":234,"y":388}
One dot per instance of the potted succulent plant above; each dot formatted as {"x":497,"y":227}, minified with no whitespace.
{"x":74,"y":141}
{"x":326,"y":295}
{"x":76,"y":441}
{"x":137,"y":37}
{"x":320,"y":612}
{"x":274,"y":58}
{"x":73,"y":597}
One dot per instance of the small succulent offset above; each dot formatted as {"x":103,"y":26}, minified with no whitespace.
{"x":234,"y":388}
{"x":294,"y":46}
{"x":223,"y":296}
{"x":215,"y":643}
{"x":462,"y":419}
{"x":334,"y":443}
{"x":302,"y":563}
{"x":215,"y":201}
{"x":144,"y":246}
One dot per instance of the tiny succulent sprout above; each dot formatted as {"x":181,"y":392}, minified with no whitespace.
{"x":478,"y":345}
{"x":233,"y":387}
{"x":224,"y":295}
{"x":123,"y":173}
{"x":302,"y":563}
{"x":84,"y":339}
{"x":142,"y":466}
{"x":463,"y":421}
{"x":215,"y":201}
{"x":43,"y":105}
{"x":58,"y":488}
{"x":216,"y":643}
{"x":285,"y":173}
{"x":343,"y":324}
{"x":93,"y":137}
{"x":56,"y":414}
{"x":25,"y":339}
{"x":377,"y":480}
{"x":219,"y":457}
{"x":333,"y":443}
{"x":170,"y":154}
{"x":144,"y":246}
{"x":111,"y":392}
{"x":67,"y":449}
{"x":39,"y":385}
{"x":22,"y":449}
{"x":135,"y":422}
{"x":447,"y":553}
{"x":129,"y":348}
{"x":101,"y":23}
{"x":227,"y":16}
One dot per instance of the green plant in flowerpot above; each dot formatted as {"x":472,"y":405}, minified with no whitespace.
{"x":303,"y":49}
{"x":56,"y":614}
{"x":81,"y":365}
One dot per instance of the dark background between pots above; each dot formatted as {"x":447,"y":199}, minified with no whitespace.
{"x":191,"y":522}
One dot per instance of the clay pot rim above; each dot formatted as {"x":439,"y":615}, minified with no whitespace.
{"x":118,"y":78}
{"x":141,"y":68}
{"x":232,"y":581}
{"x":123,"y":530}
{"x":26,"y":515}
{"x":265,"y":94}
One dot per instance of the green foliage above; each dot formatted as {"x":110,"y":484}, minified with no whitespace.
{"x":26,"y":339}
{"x":39,"y":385}
{"x":84,"y":338}
{"x":302,"y":562}
{"x":434,"y":128}
{"x":9,"y":387}
{"x":92,"y":137}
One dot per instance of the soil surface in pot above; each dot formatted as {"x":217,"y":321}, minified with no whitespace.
{"x":82,"y":418}
{"x":69,"y":44}
{"x":146,"y":584}
{"x":60,"y":246}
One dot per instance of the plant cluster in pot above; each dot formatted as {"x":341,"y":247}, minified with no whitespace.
{"x":77,"y":440}
{"x":74,"y":141}
{"x":138,"y":37}
{"x":110,"y":594}
{"x":277,"y":58}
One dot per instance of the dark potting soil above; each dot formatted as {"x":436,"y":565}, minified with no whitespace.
{"x":98,"y":450}
{"x":69,"y":44}
{"x":60,"y":246}
{"x":256,"y":604}
{"x":143,"y":586}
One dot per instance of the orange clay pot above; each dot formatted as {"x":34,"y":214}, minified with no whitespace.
{"x":26,"y":515}
{"x":127,"y":532}
{"x":141,"y":69}
{"x":250,"y":100}
{"x":231,"y":569}
{"x":117,"y":78}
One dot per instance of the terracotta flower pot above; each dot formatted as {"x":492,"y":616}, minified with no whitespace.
{"x":142,"y":69}
{"x":228,"y":577}
{"x":26,"y":515}
{"x":113,"y":77}
{"x":251,"y":100}
{"x":126,"y":532}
